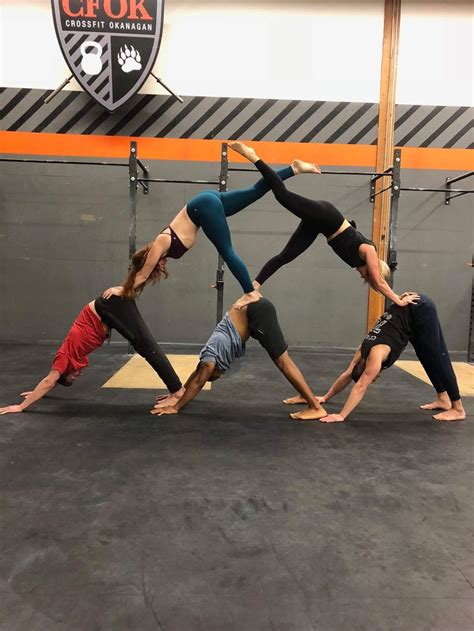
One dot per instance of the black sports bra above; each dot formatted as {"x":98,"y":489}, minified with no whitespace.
{"x":177,"y":249}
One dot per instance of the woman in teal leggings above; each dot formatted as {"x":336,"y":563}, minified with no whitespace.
{"x":207,"y":210}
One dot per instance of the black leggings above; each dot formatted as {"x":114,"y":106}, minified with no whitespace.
{"x":123,"y":316}
{"x":265,"y":328}
{"x":430,"y":347}
{"x":316,"y":217}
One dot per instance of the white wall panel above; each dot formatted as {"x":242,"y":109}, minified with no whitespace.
{"x":311,"y":50}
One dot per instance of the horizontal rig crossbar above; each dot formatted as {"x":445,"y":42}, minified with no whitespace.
{"x":38,"y":161}
{"x":366,"y":173}
{"x":165,"y":181}
{"x":437,"y":190}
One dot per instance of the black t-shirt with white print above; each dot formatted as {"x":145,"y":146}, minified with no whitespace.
{"x":395,"y":328}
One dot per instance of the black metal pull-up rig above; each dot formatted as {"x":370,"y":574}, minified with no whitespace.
{"x":139,"y":176}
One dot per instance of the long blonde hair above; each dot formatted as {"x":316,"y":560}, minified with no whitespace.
{"x":136,"y":264}
{"x":385,"y":271}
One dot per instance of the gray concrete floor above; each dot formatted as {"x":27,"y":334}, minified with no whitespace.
{"x":231,"y":516}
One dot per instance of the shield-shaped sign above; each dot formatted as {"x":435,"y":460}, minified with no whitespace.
{"x":109,"y":45}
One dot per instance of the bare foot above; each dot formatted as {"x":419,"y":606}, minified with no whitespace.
{"x":333,"y":418}
{"x":294,"y":400}
{"x":310,"y":414}
{"x":438,"y":404}
{"x":450,"y":415}
{"x":246,"y":299}
{"x":244,"y":150}
{"x":170,"y":400}
{"x":299,"y":399}
{"x":299,"y":166}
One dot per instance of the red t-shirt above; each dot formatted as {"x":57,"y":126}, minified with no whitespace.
{"x":85,"y":335}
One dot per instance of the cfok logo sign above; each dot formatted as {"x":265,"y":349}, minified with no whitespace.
{"x":109,"y":45}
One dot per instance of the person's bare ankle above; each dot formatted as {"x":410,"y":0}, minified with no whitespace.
{"x":246,"y":299}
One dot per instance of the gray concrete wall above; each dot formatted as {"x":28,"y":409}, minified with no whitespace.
{"x":64,"y":237}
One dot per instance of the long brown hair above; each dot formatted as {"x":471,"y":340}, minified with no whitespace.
{"x":136,"y":264}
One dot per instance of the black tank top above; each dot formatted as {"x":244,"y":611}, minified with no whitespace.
{"x":346,"y":246}
{"x":394,"y":329}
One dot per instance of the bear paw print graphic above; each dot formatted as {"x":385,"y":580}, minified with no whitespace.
{"x":129,"y":59}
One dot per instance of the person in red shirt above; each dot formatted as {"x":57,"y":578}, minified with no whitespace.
{"x":88,"y":332}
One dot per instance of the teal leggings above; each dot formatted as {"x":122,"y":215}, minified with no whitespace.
{"x":209,"y":210}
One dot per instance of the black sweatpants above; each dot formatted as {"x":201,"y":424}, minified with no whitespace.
{"x":430,"y":347}
{"x":123,"y":316}
{"x":316,"y":217}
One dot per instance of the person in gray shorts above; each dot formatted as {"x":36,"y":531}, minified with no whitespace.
{"x":227,"y":343}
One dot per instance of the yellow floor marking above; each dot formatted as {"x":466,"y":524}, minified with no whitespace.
{"x":137,"y":373}
{"x":464,"y":373}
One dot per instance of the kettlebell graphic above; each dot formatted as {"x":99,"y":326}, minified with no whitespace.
{"x":91,"y":63}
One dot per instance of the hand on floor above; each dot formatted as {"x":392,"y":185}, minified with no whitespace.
{"x":165,"y":410}
{"x":11,"y":409}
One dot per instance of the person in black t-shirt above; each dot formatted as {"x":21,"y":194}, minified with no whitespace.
{"x":419,"y":324}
